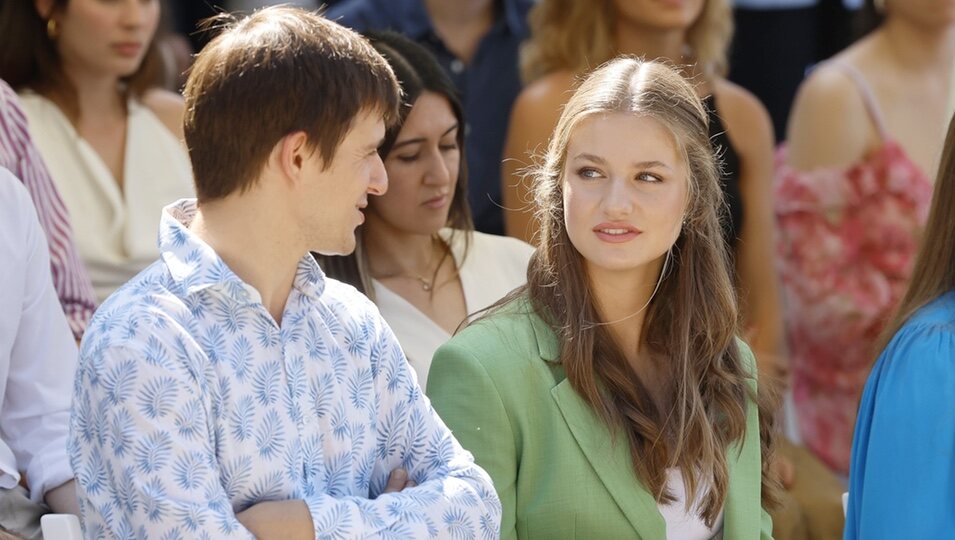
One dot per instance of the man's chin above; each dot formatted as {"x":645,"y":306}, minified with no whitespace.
{"x":341,"y":250}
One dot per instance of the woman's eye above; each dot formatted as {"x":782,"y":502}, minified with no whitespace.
{"x":449,"y":147}
{"x":648,"y":177}
{"x":407,"y":159}
{"x":588,"y":173}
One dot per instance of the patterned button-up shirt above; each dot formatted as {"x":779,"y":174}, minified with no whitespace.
{"x":191,"y":405}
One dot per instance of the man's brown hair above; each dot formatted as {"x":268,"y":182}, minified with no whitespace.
{"x":276,"y":72}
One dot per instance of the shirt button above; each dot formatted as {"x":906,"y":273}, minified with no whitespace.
{"x":457,"y":66}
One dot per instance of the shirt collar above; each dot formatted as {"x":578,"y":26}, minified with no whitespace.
{"x":195,"y":266}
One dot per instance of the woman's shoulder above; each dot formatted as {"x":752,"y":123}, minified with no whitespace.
{"x":168,"y":107}
{"x":829,"y":125}
{"x":494,"y":245}
{"x":923,"y":349}
{"x":747,"y":121}
{"x":546,"y":94}
{"x":509,"y":333}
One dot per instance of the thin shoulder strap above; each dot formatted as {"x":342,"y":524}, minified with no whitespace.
{"x":868,"y":97}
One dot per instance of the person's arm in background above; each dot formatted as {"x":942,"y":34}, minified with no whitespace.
{"x":533,"y":118}
{"x":22,"y":158}
{"x":902,"y":481}
{"x":42,"y":362}
{"x":749,"y":128}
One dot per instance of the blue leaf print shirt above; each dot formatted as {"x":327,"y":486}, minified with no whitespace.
{"x":191,"y":405}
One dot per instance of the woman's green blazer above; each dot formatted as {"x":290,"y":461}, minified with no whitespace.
{"x":559,"y":473}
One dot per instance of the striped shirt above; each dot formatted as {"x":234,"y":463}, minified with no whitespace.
{"x":20,"y":156}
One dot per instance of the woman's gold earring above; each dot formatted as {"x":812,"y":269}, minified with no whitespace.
{"x":51,"y":30}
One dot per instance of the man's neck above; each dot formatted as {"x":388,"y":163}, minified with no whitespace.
{"x":461,"y":23}
{"x":256,"y":244}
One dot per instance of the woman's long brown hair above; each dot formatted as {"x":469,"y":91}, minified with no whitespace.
{"x":934,"y":271}
{"x":692,"y":322}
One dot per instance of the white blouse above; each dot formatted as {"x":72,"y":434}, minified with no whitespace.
{"x":494,"y":266}
{"x":115,"y":228}
{"x":681,"y":523}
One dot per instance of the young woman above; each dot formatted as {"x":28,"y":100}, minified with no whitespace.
{"x":86,"y":72}
{"x":852,"y":196}
{"x":418,"y":257}
{"x":571,"y":37}
{"x":610,"y":397}
{"x":900,"y":482}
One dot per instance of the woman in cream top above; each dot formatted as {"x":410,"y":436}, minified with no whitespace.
{"x":115,"y":226}
{"x":87,"y":74}
{"x":418,"y":256}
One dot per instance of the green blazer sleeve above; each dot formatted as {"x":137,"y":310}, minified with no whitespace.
{"x":752,"y":434}
{"x":468,"y":401}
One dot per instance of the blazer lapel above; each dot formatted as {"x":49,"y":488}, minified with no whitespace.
{"x":611,"y":461}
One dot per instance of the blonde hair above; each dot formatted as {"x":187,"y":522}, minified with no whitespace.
{"x":577,"y":36}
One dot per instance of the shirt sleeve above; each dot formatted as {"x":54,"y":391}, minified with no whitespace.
{"x":468,"y":400}
{"x":902,"y":480}
{"x":36,"y":404}
{"x":141,"y":442}
{"x":454,"y":498}
{"x":21,"y":156}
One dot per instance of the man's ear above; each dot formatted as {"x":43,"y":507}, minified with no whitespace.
{"x":44,"y":8}
{"x":292,"y":151}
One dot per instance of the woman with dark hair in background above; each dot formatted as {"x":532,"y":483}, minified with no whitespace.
{"x":418,"y":257}
{"x":900,"y":482}
{"x":86,"y":72}
{"x":611,"y":397}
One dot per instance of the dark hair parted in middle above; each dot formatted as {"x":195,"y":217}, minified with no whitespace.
{"x":417,"y":71}
{"x":692,"y":321}
{"x":276,"y":72}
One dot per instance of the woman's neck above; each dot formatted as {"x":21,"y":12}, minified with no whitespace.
{"x":649,"y":43}
{"x":393,"y":253}
{"x":919,"y":49}
{"x":97,"y":96}
{"x":622,"y":300}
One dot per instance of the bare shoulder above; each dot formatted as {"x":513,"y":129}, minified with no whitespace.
{"x":547,"y":94}
{"x":169,"y":107}
{"x":747,"y":121}
{"x":535,"y":114}
{"x":828,"y":125}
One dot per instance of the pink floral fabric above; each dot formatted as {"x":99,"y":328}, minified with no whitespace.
{"x":847,"y":242}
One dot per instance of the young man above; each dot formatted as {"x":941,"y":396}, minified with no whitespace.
{"x":37,"y":362}
{"x":232,"y":390}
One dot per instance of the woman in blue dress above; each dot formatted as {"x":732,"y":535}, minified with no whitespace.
{"x":902,"y":475}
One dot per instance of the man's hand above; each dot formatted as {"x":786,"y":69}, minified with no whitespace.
{"x":62,"y":499}
{"x":398,"y":481}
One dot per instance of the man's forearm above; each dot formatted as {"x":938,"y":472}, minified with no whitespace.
{"x":62,"y":499}
{"x":278,"y":519}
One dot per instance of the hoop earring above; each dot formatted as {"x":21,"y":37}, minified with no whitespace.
{"x":51,"y":29}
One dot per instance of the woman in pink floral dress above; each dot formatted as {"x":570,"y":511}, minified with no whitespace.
{"x":852,"y":195}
